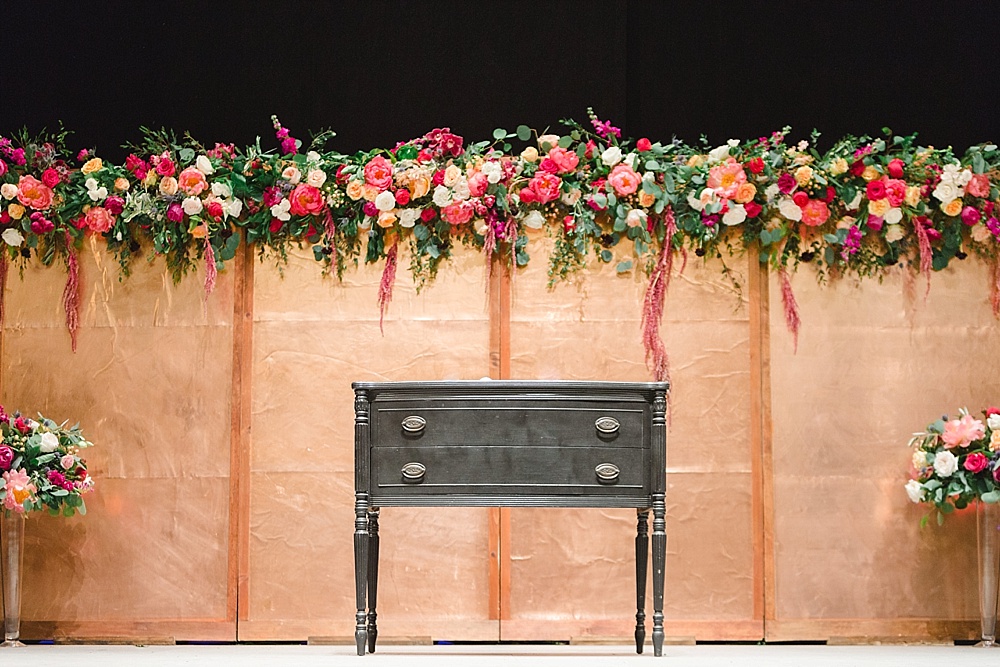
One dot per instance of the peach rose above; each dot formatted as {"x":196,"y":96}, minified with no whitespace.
{"x":168,"y":186}
{"x":386,"y":219}
{"x":99,"y":219}
{"x":839,"y":166}
{"x":92,"y":165}
{"x":192,"y":181}
{"x":954,"y":207}
{"x":306,"y":200}
{"x":121,"y":184}
{"x":745,"y":192}
{"x":870,"y":173}
{"x":624,"y":180}
{"x":803,"y":175}
{"x":15,"y":211}
{"x":369,"y":192}
{"x":291,"y":174}
{"x":645,"y":199}
{"x":912,"y":196}
{"x":355,"y":190}
{"x":879,"y":207}
{"x":529,"y":154}
{"x":32,"y":192}
{"x":199,"y":232}
{"x":451,"y":175}
{"x":696,"y":161}
{"x":419,"y":187}
{"x":979,"y":185}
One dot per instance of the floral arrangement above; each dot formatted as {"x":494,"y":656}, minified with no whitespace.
{"x":956,"y":461}
{"x":864,"y":207}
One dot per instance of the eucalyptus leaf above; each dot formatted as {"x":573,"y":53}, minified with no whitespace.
{"x":499,"y":133}
{"x":566,"y":141}
{"x":624,"y":266}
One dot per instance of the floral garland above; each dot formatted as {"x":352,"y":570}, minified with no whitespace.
{"x":42,"y":467}
{"x":861,"y":208}
{"x":956,"y":462}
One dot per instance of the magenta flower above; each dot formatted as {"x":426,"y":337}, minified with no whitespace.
{"x":975,"y":462}
{"x":175,"y":213}
{"x":970,"y":215}
{"x":786,"y":183}
{"x":6,"y":457}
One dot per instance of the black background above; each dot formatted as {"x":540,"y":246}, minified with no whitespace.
{"x":381,"y":72}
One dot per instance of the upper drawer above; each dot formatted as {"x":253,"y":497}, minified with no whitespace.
{"x":555,"y":423}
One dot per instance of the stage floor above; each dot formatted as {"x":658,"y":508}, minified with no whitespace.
{"x":289,"y":655}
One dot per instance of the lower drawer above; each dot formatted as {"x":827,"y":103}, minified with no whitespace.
{"x":536,"y":471}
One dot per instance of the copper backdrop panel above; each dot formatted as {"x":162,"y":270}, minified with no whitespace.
{"x":577,"y":566}
{"x":873,"y":366}
{"x":312,"y":338}
{"x":150,"y":385}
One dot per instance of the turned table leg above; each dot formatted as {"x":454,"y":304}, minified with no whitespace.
{"x":372,"y":577}
{"x":659,"y":565}
{"x":361,"y":539}
{"x":641,"y":563}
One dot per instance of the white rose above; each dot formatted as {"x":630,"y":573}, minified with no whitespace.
{"x":963,"y":178}
{"x":915,"y":491}
{"x":451,"y":175}
{"x":855,"y":203}
{"x":493,"y":171}
{"x":980,"y":233}
{"x":945,"y":464}
{"x":611,"y":156}
{"x":191,"y":205}
{"x":203,"y":165}
{"x":12,"y":237}
{"x":8,"y":190}
{"x":771,"y":191}
{"x":790,"y":210}
{"x":636,"y":218}
{"x":461,"y":188}
{"x":222,"y":190}
{"x":49,"y":443}
{"x":480,"y":226}
{"x":631,"y":159}
{"x":894,"y":233}
{"x":919,"y":459}
{"x":408,"y":217}
{"x":232,"y":208}
{"x":442,"y":196}
{"x":735,"y":215}
{"x":312,"y":156}
{"x":534,"y":220}
{"x":894,"y":216}
{"x":280,"y":210}
{"x":993,"y":422}
{"x":316,"y":178}
{"x":292,"y":175}
{"x":719,"y":154}
{"x":385,"y":201}
{"x":945,"y":192}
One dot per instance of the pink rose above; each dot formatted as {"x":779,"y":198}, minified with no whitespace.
{"x":114,"y":204}
{"x":378,"y":173}
{"x":970,"y":215}
{"x":306,"y":200}
{"x":478,"y":184}
{"x":175,"y":213}
{"x":815,"y":213}
{"x":979,"y":185}
{"x":6,"y":457}
{"x":191,"y":181}
{"x":875,"y":223}
{"x":99,"y":219}
{"x":962,"y":432}
{"x":895,"y":168}
{"x":165,"y":167}
{"x":458,"y":213}
{"x":370,"y":209}
{"x":32,"y":192}
{"x":624,"y":180}
{"x":549,"y":165}
{"x":975,"y":462}
{"x":545,"y":187}
{"x":565,"y":160}
{"x":403,"y":196}
{"x":895,"y":191}
{"x":67,"y":461}
{"x":3,"y":168}
{"x":786,"y":183}
{"x":50,"y":177}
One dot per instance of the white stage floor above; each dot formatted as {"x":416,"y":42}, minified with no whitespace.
{"x":287,"y":655}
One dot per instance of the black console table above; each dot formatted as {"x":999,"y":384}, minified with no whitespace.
{"x":503,"y":443}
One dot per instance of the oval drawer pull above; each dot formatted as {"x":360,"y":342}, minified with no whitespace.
{"x":414,"y":424}
{"x":607,"y":425}
{"x":607,"y":472}
{"x":413,"y":472}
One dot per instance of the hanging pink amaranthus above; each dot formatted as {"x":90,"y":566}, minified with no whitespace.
{"x":791,"y":308}
{"x":211,"y":271}
{"x":926,"y":254}
{"x":385,"y":287}
{"x":994,"y":287}
{"x":652,"y":305}
{"x":331,"y":227}
{"x":71,"y":293}
{"x":3,"y":282}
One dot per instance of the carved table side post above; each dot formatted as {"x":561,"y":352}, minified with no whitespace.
{"x":361,"y":536}
{"x":659,"y":463}
{"x":372,"y":578}
{"x":641,"y":563}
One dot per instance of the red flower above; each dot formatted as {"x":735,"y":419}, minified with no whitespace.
{"x":50,"y":177}
{"x":275,"y":225}
{"x":402,"y":196}
{"x":215,"y":210}
{"x":876,"y":190}
{"x":895,"y":168}
{"x":857,"y":168}
{"x":786,"y":183}
{"x":428,"y":214}
{"x":975,"y":462}
{"x":643,"y":145}
{"x":752,"y":208}
{"x":800,"y":198}
{"x":831,"y":194}
{"x":756,"y":165}
{"x":990,"y":411}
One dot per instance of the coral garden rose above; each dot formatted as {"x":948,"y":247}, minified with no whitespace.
{"x":306,"y":200}
{"x":624,"y":179}
{"x":99,"y":219}
{"x":564,"y":160}
{"x":979,"y":185}
{"x":19,"y":489}
{"x":33,"y":193}
{"x":192,"y":181}
{"x":378,"y":172}
{"x":545,"y":187}
{"x":815,"y":213}
{"x":726,"y":178}
{"x":458,"y":213}
{"x":962,"y":432}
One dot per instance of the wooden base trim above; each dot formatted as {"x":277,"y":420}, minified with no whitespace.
{"x":873,"y":629}
{"x":442,"y":629}
{"x":577,"y":630}
{"x":139,"y":631}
